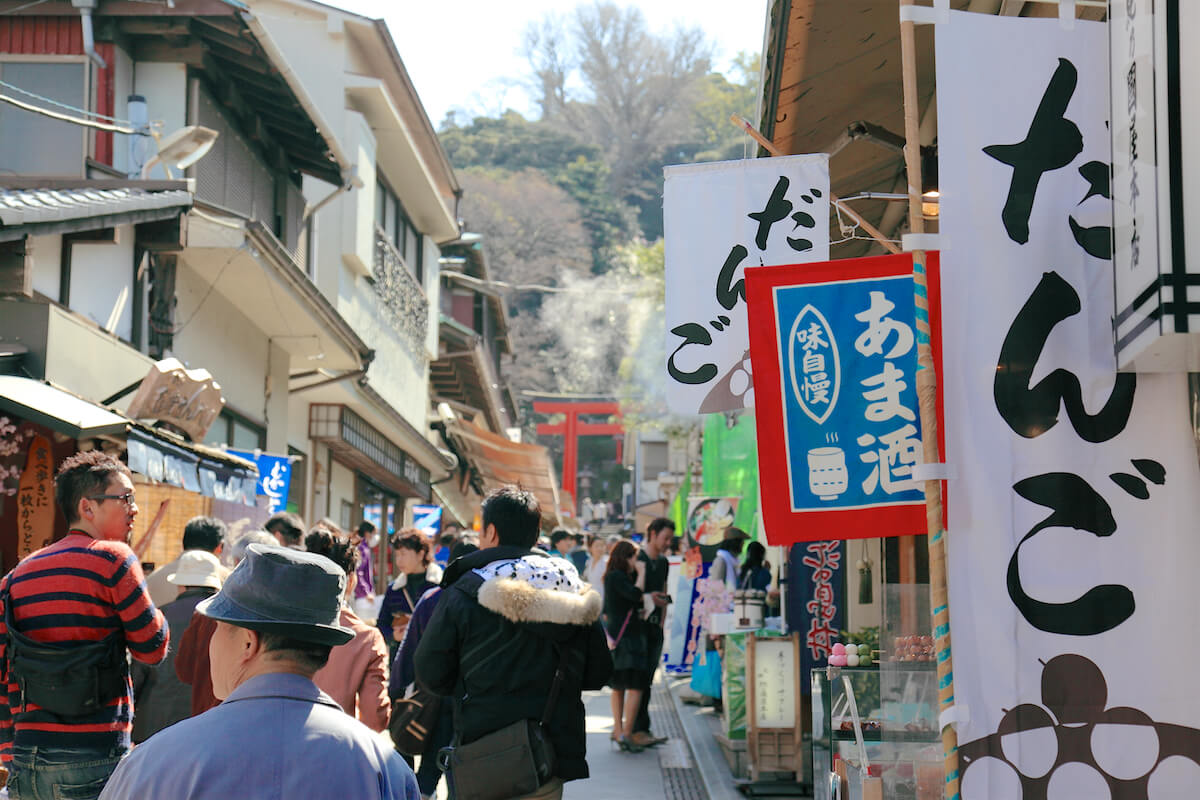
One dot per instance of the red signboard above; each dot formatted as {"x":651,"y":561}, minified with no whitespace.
{"x":834,"y":352}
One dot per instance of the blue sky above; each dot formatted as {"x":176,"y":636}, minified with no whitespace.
{"x":466,"y":54}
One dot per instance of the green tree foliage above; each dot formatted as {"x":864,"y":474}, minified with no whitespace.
{"x":513,"y":144}
{"x":533,"y":230}
{"x":573,"y":200}
{"x":716,"y":138}
{"x":636,"y":92}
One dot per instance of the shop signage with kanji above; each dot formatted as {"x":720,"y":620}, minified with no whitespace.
{"x":35,"y":498}
{"x":1071,"y":543}
{"x":816,"y":600}
{"x":274,"y":477}
{"x":834,"y":347}
{"x":718,"y":219}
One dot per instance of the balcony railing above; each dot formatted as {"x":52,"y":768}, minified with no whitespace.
{"x":402,"y":296}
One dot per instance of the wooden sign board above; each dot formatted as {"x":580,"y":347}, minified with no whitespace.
{"x":188,"y":399}
{"x":773,"y":701}
{"x":35,"y":498}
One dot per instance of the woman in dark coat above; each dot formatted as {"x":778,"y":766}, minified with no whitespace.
{"x":624,"y":581}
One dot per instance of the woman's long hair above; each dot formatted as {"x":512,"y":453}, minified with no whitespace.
{"x":621,"y":558}
{"x":756,"y":555}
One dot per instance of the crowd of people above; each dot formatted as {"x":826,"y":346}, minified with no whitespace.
{"x":274,"y":650}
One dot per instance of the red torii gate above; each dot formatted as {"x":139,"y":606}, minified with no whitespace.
{"x":571,"y":429}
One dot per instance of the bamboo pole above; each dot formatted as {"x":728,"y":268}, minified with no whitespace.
{"x":927,"y":395}
{"x":770,"y":147}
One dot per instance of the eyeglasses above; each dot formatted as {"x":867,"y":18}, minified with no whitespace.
{"x":126,"y":498}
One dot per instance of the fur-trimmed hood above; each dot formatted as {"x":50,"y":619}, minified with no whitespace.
{"x":538,"y":589}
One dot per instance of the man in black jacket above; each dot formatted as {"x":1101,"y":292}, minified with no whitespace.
{"x":494,"y":643}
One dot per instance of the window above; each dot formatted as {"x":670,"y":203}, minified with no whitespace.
{"x":398,"y":228}
{"x":37,"y":144}
{"x":235,"y":431}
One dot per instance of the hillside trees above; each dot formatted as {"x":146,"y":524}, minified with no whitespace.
{"x":572,"y":200}
{"x":635,"y":92}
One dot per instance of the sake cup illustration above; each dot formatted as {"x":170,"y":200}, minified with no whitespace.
{"x":827,"y":474}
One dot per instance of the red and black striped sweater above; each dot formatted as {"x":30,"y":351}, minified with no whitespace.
{"x":78,"y":589}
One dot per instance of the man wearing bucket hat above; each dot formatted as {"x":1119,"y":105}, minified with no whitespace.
{"x":277,"y":619}
{"x":160,"y":698}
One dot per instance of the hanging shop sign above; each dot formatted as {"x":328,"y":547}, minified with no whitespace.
{"x":274,"y":477}
{"x":1071,"y":540}
{"x":1153,"y":236}
{"x":35,"y":498}
{"x":707,"y":520}
{"x":719,"y":219}
{"x":834,"y":347}
{"x":427,"y":519}
{"x":816,"y":607}
{"x":188,"y":399}
{"x":684,"y":635}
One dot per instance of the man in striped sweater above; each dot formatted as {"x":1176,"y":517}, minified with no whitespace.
{"x":86,"y":588}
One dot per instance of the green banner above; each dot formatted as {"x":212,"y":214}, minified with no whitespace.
{"x":731,"y":466}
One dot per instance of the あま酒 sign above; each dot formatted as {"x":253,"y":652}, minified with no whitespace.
{"x":834,"y":351}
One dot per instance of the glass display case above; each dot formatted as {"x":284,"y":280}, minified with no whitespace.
{"x":881,"y":721}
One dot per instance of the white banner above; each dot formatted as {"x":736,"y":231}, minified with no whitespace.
{"x":1072,"y":525}
{"x":718,"y":219}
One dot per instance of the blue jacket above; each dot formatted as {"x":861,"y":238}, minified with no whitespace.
{"x":403,"y":669}
{"x":276,"y":737}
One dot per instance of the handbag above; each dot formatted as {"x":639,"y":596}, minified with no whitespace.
{"x":511,"y":762}
{"x":706,"y":677}
{"x":413,"y":720}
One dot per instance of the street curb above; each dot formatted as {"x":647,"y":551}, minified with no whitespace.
{"x":706,"y":753}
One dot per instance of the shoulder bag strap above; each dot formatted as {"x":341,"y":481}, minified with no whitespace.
{"x":556,"y":687}
{"x":621,"y":632}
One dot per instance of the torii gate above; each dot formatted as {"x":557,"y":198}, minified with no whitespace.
{"x":571,"y":429}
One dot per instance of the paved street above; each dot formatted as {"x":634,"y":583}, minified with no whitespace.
{"x":665,"y":771}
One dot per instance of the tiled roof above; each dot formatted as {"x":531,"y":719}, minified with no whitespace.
{"x":30,"y":206}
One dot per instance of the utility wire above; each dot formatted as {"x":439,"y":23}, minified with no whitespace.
{"x":533,"y":287}
{"x":22,"y":8}
{"x":103,"y":126}
{"x":64,"y":106}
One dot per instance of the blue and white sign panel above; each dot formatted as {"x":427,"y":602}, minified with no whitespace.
{"x":427,"y":519}
{"x":841,"y":357}
{"x":274,"y":476}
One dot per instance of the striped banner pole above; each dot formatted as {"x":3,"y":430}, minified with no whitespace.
{"x":927,"y":396}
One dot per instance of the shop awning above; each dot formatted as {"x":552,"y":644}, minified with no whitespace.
{"x":166,"y":459}
{"x":160,"y":456}
{"x":498,"y":461}
{"x":57,"y":409}
{"x":460,"y":505}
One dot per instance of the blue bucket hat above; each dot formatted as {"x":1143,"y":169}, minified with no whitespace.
{"x":285,"y":591}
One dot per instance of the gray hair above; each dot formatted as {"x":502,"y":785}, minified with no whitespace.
{"x":238,"y":551}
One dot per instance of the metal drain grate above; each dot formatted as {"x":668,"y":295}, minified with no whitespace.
{"x":681,"y":780}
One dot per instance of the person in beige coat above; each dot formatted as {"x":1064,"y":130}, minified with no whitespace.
{"x":206,"y":534}
{"x":356,"y":675}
